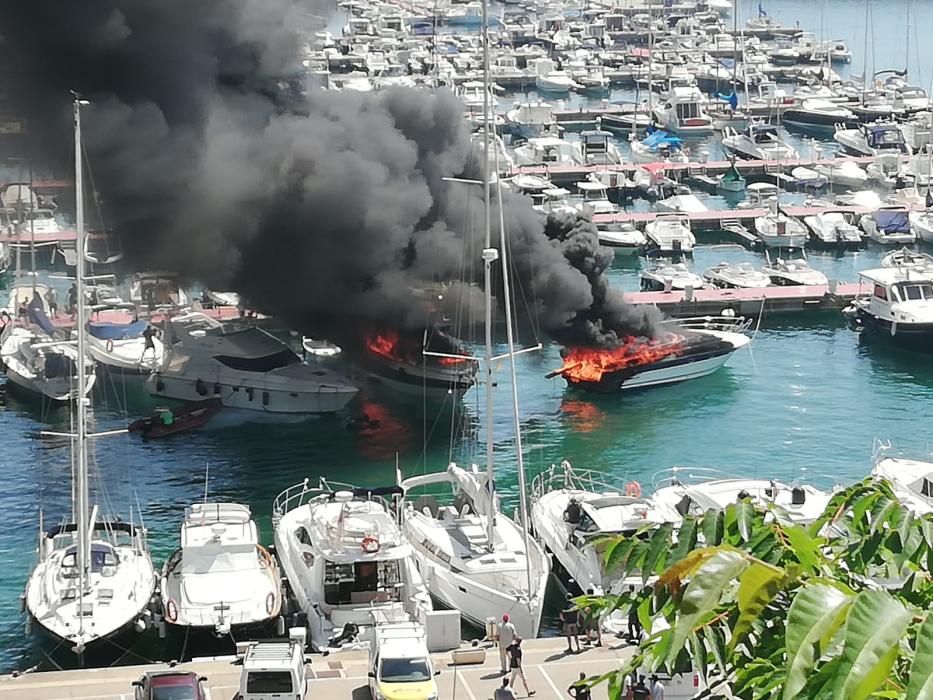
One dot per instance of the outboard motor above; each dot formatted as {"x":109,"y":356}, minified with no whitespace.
{"x":798,"y":496}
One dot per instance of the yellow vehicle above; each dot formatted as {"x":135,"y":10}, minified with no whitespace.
{"x":399,"y":663}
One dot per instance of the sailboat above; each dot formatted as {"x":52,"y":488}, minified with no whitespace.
{"x":94,"y":579}
{"x":472,"y":556}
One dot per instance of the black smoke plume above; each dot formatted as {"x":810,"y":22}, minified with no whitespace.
{"x":210,"y":160}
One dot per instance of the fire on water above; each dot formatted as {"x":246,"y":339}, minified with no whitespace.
{"x":590,"y":364}
{"x":390,"y":345}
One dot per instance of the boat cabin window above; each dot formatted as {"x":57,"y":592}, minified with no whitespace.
{"x":914,"y":291}
{"x":266,"y":363}
{"x":880,"y":292}
{"x":361,"y":582}
{"x":688,"y":110}
{"x":103,"y":561}
{"x":587,"y":524}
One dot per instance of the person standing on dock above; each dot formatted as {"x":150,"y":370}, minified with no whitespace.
{"x":506,"y":637}
{"x":515,"y":663}
{"x":71,"y":301}
{"x":51,"y":299}
{"x":657,"y":688}
{"x":570,"y":619}
{"x":634,"y":624}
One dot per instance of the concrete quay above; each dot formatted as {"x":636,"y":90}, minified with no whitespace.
{"x":550,"y":671}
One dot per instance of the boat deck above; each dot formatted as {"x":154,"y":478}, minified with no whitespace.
{"x":550,"y":672}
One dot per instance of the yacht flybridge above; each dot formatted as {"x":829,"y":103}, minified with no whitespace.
{"x":244,"y":367}
{"x":473,"y":557}
{"x":572,"y":510}
{"x":93,"y":579}
{"x":220,"y":579}
{"x":346,"y":560}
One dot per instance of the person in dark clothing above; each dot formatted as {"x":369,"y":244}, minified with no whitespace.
{"x":578,"y":691}
{"x":148,"y":335}
{"x":640,"y":690}
{"x":72,"y":300}
{"x":515,"y":663}
{"x":570,"y":619}
{"x":573,"y":512}
{"x":591,"y":631}
{"x":634,"y":624}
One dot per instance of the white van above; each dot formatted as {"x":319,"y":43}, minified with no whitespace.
{"x":274,"y":670}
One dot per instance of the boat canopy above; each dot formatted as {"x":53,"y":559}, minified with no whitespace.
{"x":659,"y":139}
{"x":117,"y":331}
{"x":892,"y":221}
{"x":881,"y":135}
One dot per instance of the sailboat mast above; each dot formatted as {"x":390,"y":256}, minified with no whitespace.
{"x":83,"y":524}
{"x":488,"y":258}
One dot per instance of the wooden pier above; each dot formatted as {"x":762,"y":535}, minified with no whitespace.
{"x":549,"y":669}
{"x":749,"y":302}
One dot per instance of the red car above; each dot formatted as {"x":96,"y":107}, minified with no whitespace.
{"x":170,"y":685}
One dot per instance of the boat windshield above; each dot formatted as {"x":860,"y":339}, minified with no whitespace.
{"x":404,"y":671}
{"x":266,"y":363}
{"x":688,"y":110}
{"x":362,"y":582}
{"x":914,"y":291}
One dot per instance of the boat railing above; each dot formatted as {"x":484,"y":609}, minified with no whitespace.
{"x":564,"y":476}
{"x":732,"y":324}
{"x":687,"y":475}
{"x":299,"y":494}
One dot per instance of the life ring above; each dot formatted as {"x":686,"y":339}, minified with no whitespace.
{"x":109,"y":345}
{"x":370,"y":545}
{"x":171,"y":611}
{"x":633,"y":489}
{"x":270,"y":603}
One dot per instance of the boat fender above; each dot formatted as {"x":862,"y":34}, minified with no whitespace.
{"x":200,"y":388}
{"x":159,"y":385}
{"x":893,"y":328}
{"x":109,"y":345}
{"x":370,"y":545}
{"x":270,"y":603}
{"x":633,"y":489}
{"x":171,"y":611}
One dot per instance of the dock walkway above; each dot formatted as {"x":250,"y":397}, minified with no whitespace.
{"x":549,"y":670}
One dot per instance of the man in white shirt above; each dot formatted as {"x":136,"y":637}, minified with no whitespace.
{"x":657,"y":689}
{"x":506,"y":637}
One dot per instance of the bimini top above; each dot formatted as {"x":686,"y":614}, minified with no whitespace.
{"x":883,"y":135}
{"x":117,"y":331}
{"x":659,"y":139}
{"x":892,"y":221}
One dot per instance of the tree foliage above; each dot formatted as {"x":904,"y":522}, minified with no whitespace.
{"x":837,"y":610}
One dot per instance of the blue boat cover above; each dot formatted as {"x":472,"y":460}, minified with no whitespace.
{"x":657,"y":139}
{"x":892,"y":221}
{"x":36,"y":313}
{"x":117,"y":331}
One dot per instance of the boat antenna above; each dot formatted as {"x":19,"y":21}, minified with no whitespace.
{"x":490,"y":255}
{"x":81,"y":401}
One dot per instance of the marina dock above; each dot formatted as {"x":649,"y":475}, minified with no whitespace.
{"x":549,"y":670}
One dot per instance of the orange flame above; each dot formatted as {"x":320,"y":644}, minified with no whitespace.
{"x":590,"y":364}
{"x":385,"y":344}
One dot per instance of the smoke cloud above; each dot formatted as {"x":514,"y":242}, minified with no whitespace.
{"x":315,"y":206}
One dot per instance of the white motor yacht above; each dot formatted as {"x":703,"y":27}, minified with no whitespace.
{"x":121,"y":347}
{"x":531,"y":119}
{"x":736,"y":276}
{"x":670,"y":234}
{"x":93,"y":579}
{"x":911,"y":480}
{"x":888,"y":227}
{"x":624,"y":238}
{"x":464,"y":567}
{"x":671,"y":277}
{"x":682,"y":204}
{"x":845,"y":173}
{"x":346,"y":560}
{"x":544,"y":150}
{"x":761,"y":141}
{"x":778,"y":230}
{"x":921,"y":223}
{"x":832,"y":229}
{"x":244,"y":367}
{"x":816,"y":113}
{"x":596,"y":148}
{"x":220,"y":579}
{"x":595,"y":199}
{"x":689,"y":491}
{"x":792,"y":269}
{"x":682,"y":112}
{"x":549,"y":79}
{"x":896,"y":305}
{"x":872,"y":139}
{"x":572,"y":510}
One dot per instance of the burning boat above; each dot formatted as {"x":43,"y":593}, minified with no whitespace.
{"x":686,"y":349}
{"x":433,"y":363}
